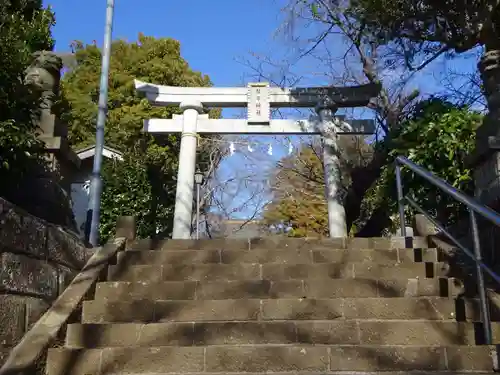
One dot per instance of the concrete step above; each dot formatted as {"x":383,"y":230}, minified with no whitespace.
{"x":288,"y":256}
{"x":243,"y":289}
{"x":332,"y":332}
{"x":274,"y":271}
{"x":434,"y":308}
{"x":282,"y":243}
{"x":267,"y":359}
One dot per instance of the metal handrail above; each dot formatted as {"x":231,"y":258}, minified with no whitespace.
{"x":474,"y":207}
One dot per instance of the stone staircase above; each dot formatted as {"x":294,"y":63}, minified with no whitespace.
{"x":284,"y":306}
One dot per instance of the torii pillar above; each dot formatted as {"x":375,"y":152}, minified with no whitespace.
{"x":185,"y":173}
{"x":258,"y":98}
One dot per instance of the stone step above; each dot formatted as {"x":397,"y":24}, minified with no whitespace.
{"x":434,"y":308}
{"x":274,"y":271}
{"x":288,"y":243}
{"x":267,"y":359}
{"x":289,"y":256}
{"x":243,"y":289}
{"x":332,"y":332}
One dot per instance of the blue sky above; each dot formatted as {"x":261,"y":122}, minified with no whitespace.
{"x":212,"y":33}
{"x":214,"y":36}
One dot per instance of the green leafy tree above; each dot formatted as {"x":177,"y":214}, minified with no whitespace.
{"x":25,"y":28}
{"x":454,"y":24}
{"x":298,"y":195}
{"x":438,"y":135}
{"x":149,"y":169}
{"x":131,"y":188}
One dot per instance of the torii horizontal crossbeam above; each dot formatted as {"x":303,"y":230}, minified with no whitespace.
{"x":237,"y":97}
{"x":237,"y":126}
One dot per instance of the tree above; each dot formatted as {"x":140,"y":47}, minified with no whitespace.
{"x":328,"y":37}
{"x":238,"y":190}
{"x":299,"y":194}
{"x":437,"y":135}
{"x":148,"y":160}
{"x":298,"y":187}
{"x":25,"y":28}
{"x":452,"y":25}
{"x":350,"y":42}
{"x":131,"y":188}
{"x":436,"y":28}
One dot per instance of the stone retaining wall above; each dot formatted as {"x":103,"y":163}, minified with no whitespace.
{"x":38,"y":260}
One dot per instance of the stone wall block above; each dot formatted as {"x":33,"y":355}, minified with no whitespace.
{"x":64,"y":249}
{"x":22,"y":233}
{"x":34,"y":233}
{"x":12,"y":320}
{"x":35,"y":308}
{"x":28,"y":275}
{"x":37,"y":262}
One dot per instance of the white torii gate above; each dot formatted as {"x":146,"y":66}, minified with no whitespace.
{"x":259,"y":98}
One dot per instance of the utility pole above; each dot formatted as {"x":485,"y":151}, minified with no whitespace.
{"x":94,"y":210}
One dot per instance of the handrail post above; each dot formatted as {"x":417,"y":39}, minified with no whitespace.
{"x":399,"y":187}
{"x":485,"y":311}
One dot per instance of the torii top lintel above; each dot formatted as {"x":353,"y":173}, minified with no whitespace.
{"x":237,"y":97}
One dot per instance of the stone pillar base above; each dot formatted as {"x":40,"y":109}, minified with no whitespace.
{"x":487,"y":179}
{"x":485,"y":163}
{"x":485,"y":160}
{"x":62,"y":160}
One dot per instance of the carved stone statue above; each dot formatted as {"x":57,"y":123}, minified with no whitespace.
{"x":50,"y":190}
{"x":44,"y":75}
